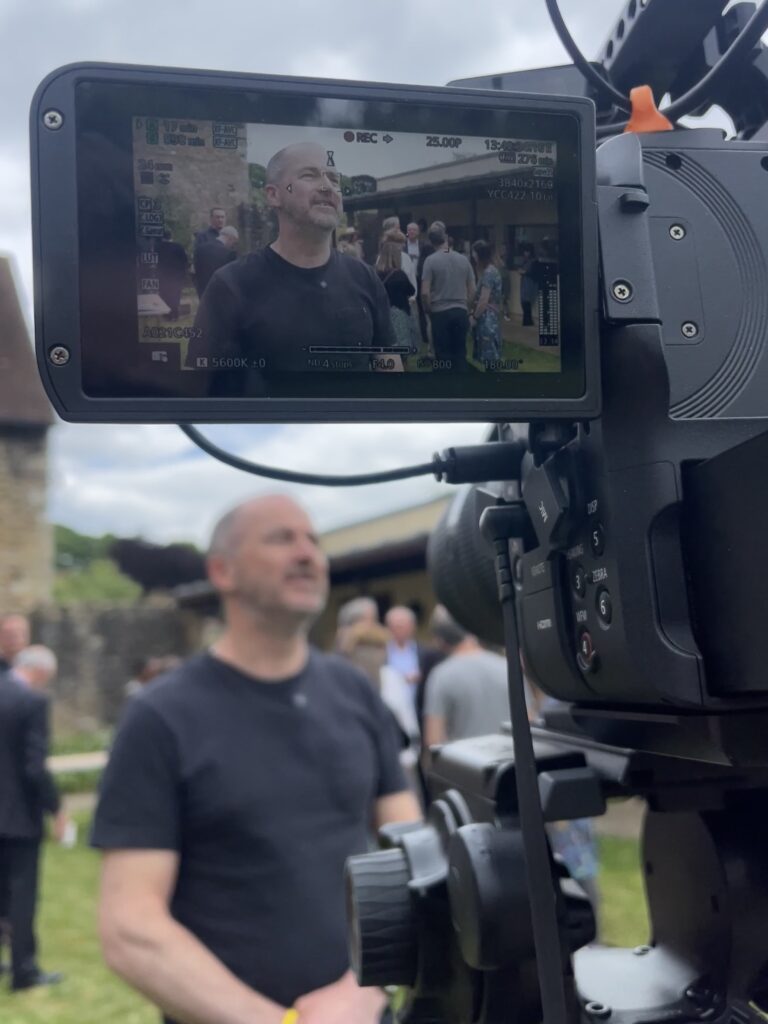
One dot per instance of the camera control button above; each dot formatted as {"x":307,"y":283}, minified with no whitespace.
{"x":597,"y":539}
{"x":587,"y":656}
{"x":604,"y":606}
{"x":579,"y":580}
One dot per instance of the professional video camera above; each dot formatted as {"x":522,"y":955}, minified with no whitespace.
{"x":625,"y":524}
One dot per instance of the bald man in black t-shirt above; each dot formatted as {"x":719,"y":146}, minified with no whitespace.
{"x":294,"y":304}
{"x":236,"y":788}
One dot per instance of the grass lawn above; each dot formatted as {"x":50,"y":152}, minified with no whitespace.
{"x":91,"y":995}
{"x":68,"y":943}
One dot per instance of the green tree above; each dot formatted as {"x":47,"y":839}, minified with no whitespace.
{"x":100,"y":581}
{"x":78,"y":550}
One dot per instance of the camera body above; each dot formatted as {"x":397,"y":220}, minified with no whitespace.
{"x":640,"y":584}
{"x":641,"y":519}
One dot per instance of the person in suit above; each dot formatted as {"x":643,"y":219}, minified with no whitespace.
{"x":27,"y":793}
{"x":14,"y":637}
{"x":214,"y":254}
{"x":172,"y":263}
{"x":217,"y":218}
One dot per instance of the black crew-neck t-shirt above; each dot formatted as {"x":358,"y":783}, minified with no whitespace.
{"x":263,"y":789}
{"x":263,"y":307}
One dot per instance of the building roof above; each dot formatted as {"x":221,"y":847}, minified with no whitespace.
{"x":392,"y":527}
{"x":23,"y":402}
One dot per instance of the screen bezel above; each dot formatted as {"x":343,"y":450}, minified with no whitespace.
{"x":104,"y":99}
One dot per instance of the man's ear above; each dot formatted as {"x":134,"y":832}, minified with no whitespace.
{"x":220,"y":573}
{"x":272,"y":192}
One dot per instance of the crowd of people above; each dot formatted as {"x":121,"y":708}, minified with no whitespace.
{"x":241,"y":779}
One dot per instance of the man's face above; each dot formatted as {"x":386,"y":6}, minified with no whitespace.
{"x":40,"y":679}
{"x":14,"y":636}
{"x":217,"y":219}
{"x":412,"y":232}
{"x":277,"y":567}
{"x":309,"y":191}
{"x":401,"y":626}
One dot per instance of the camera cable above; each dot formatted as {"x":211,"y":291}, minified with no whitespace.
{"x":748,"y":38}
{"x":465,"y":465}
{"x":602,"y":84}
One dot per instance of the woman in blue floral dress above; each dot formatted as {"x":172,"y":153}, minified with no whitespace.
{"x":485,"y":323}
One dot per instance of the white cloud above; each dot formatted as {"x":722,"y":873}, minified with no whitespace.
{"x":175,"y":492}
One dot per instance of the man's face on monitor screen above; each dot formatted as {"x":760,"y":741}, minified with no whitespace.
{"x":308,"y":191}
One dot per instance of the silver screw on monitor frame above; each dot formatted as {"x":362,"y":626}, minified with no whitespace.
{"x":59,"y":355}
{"x":53,"y":120}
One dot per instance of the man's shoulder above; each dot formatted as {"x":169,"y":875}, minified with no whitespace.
{"x":176,"y":690}
{"x":14,"y":692}
{"x":342,"y":676}
{"x":350,"y":266}
{"x":335,"y":667}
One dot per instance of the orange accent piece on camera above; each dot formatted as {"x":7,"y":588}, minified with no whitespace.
{"x":646,"y":116}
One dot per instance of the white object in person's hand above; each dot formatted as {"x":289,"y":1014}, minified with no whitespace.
{"x":69,"y":835}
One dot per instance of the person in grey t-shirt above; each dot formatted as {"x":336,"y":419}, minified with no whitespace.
{"x":467,"y":693}
{"x":447,"y":290}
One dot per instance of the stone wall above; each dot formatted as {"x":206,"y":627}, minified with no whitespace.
{"x":100,"y":649}
{"x":26,"y":539}
{"x":182,"y":169}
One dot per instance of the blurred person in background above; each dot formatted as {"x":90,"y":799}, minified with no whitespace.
{"x":172,"y":264}
{"x":402,"y":649}
{"x":347,"y":241}
{"x":447,"y":292}
{"x":27,"y":794}
{"x":484,"y":320}
{"x":467,"y":694}
{"x":400,"y":291}
{"x":364,"y":643}
{"x":237,"y":787}
{"x":217,"y":218}
{"x":529,"y":283}
{"x":150,"y":668}
{"x":216,"y":253}
{"x":388,"y":226}
{"x":358,"y":609}
{"x":14,"y":637}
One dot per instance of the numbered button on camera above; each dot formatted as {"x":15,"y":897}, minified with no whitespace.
{"x":579,"y":580}
{"x":597,"y":539}
{"x":587,"y":655}
{"x":604,"y":606}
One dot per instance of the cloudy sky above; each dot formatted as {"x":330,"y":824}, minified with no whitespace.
{"x":151,"y":480}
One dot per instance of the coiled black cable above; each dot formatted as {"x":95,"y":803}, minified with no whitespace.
{"x":748,"y":38}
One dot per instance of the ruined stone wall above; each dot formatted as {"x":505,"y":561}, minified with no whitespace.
{"x":26,"y":538}
{"x":100,"y":649}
